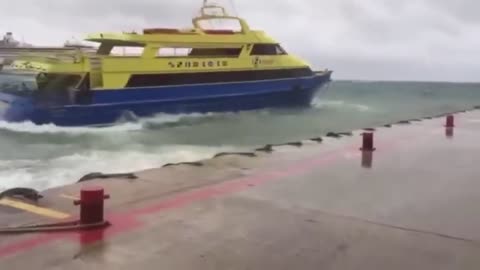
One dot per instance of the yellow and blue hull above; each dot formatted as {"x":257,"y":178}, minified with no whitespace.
{"x":104,"y":107}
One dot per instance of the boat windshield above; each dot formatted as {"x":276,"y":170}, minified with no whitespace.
{"x":18,"y":83}
{"x":220,"y":24}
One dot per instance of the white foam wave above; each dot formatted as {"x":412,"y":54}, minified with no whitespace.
{"x":43,"y":174}
{"x":335,"y":104}
{"x":174,"y":118}
{"x":29,"y":127}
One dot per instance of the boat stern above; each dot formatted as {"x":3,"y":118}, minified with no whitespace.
{"x":14,"y":108}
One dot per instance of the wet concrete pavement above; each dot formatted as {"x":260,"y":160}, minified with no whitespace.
{"x":411,"y":204}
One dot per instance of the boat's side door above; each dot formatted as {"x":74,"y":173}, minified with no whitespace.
{"x":84,"y":94}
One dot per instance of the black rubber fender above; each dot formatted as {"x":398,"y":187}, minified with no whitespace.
{"x":98,"y":175}
{"x":267,"y":148}
{"x":196,"y":164}
{"x":27,"y":193}
{"x":247,"y":154}
{"x":318,"y":139}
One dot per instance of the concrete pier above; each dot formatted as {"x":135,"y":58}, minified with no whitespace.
{"x":412,"y":203}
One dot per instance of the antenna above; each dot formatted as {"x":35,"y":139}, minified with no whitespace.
{"x":232,"y":2}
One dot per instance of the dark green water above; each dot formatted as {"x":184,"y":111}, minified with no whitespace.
{"x":48,"y":156}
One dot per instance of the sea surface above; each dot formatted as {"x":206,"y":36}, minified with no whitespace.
{"x":46,"y":156}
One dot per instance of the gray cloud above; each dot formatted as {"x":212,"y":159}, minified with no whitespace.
{"x":359,"y":39}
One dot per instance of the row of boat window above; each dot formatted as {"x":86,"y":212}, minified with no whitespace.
{"x":165,"y":79}
{"x":257,"y":50}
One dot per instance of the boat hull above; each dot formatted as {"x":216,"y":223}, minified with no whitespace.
{"x":110,"y":106}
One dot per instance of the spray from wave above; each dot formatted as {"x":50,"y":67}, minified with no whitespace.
{"x":174,"y":120}
{"x":47,"y":156}
{"x":64,"y":170}
{"x":55,"y":156}
{"x":139,"y":124}
{"x":339,"y":105}
{"x":29,"y":127}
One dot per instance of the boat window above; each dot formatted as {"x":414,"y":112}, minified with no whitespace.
{"x":217,"y":52}
{"x":173,"y":52}
{"x":199,"y":52}
{"x":21,"y":84}
{"x":127,"y":51}
{"x":267,"y":49}
{"x":222,"y":25}
{"x":280,"y":50}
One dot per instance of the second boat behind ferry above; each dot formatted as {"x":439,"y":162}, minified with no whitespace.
{"x":158,"y":71}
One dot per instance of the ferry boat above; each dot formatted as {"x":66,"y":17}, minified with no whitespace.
{"x":160,"y":70}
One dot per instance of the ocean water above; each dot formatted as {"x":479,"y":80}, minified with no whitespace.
{"x":46,"y":156}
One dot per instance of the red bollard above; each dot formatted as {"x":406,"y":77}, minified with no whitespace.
{"x":91,"y":205}
{"x":367,"y":142}
{"x":450,"y":121}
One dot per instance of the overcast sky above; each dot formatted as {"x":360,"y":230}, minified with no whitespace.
{"x":358,"y":39}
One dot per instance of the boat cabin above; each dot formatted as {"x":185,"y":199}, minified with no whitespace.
{"x":159,"y":57}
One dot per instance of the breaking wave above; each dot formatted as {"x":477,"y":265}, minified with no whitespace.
{"x":64,"y":170}
{"x":142,"y":123}
{"x":29,"y":127}
{"x":48,"y":156}
{"x":339,"y":104}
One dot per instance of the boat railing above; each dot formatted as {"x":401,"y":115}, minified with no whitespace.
{"x":210,"y":11}
{"x":65,"y":57}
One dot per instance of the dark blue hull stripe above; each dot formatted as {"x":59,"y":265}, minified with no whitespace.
{"x":108,"y":105}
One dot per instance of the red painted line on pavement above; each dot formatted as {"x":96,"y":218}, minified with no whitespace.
{"x":119,"y":224}
{"x":123,"y":222}
{"x":227,"y":187}
{"x":27,"y":244}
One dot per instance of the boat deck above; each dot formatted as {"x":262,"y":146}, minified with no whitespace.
{"x":411,"y":204}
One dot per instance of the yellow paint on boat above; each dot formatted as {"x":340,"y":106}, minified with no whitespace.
{"x":109,"y":71}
